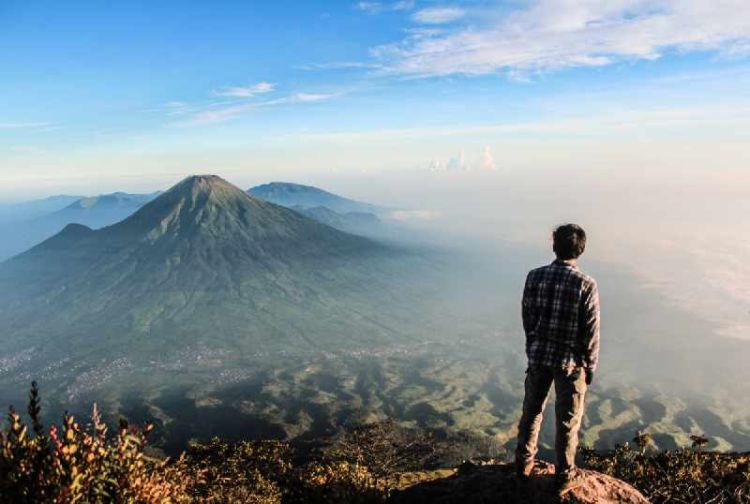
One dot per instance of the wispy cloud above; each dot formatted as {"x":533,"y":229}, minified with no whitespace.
{"x":438,"y":15}
{"x":585,"y":125}
{"x":340,"y":65}
{"x":305,"y":98}
{"x":245,"y":91}
{"x":177,"y":108}
{"x":548,"y":35}
{"x":221,"y":112}
{"x":372,"y":7}
{"x":22,"y":125}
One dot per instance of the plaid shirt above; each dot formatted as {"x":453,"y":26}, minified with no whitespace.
{"x":561,"y":317}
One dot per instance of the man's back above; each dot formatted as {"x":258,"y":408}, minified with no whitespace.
{"x":561,"y":320}
{"x":561,"y":317}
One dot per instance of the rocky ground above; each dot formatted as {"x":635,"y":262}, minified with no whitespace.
{"x":496,"y":483}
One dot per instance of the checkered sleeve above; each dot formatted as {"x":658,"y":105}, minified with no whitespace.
{"x":590,"y":325}
{"x":527,"y":306}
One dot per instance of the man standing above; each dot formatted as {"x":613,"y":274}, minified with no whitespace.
{"x":561,"y":320}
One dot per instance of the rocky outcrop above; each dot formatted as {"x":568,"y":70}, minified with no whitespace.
{"x":497,"y":483}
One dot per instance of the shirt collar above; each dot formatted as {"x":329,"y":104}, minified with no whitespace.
{"x":560,"y":262}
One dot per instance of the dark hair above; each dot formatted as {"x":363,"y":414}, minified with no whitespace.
{"x":569,"y":241}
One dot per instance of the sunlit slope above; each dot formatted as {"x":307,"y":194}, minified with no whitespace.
{"x":203,"y":262}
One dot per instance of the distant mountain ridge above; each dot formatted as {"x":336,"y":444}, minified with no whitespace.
{"x":26,"y":224}
{"x":25,"y":210}
{"x":94,"y":212}
{"x":112,"y":200}
{"x":102,"y":210}
{"x":204,"y":212}
{"x":303,"y":196}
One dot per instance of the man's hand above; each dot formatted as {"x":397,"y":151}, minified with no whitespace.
{"x":589,"y":376}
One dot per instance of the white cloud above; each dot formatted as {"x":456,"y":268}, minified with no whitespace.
{"x":23,"y":125}
{"x":216,"y":116}
{"x":177,"y":108}
{"x":548,"y":35}
{"x":378,"y":7}
{"x":341,"y":65}
{"x":403,"y":5}
{"x":733,"y":117}
{"x":486,"y":160}
{"x":308,"y":97}
{"x":370,"y":7}
{"x":221,"y":112}
{"x":438,"y":15}
{"x":246,"y":91}
{"x":657,"y":121}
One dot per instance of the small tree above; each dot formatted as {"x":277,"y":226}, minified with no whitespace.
{"x":385,"y":448}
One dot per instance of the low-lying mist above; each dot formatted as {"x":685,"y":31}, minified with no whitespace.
{"x":670,"y":256}
{"x":682,"y":235}
{"x":668,"y":261}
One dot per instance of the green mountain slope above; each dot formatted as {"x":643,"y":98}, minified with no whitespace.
{"x":203,"y":263}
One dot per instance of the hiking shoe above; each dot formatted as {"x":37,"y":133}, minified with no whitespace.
{"x":523,"y":470}
{"x":569,"y":480}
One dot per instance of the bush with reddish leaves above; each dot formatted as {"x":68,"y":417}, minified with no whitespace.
{"x":76,"y":463}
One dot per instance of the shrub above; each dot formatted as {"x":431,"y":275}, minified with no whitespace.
{"x":252,"y":472}
{"x":263,"y":472}
{"x":74,"y":463}
{"x":679,"y":476}
{"x":77,"y":463}
{"x":337,"y":482}
{"x":384,"y":447}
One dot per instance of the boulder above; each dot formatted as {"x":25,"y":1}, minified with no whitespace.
{"x":497,"y":483}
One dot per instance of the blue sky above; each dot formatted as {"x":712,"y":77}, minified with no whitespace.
{"x":98,"y":96}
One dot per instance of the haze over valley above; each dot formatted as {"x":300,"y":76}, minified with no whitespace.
{"x":209,"y":302}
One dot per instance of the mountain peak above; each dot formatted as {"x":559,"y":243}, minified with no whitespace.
{"x":201,"y":190}
{"x":203,"y":180}
{"x":205,"y":212}
{"x":203,"y":184}
{"x":196,"y":202}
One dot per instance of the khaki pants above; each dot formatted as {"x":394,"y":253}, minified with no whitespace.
{"x":570,"y":389}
